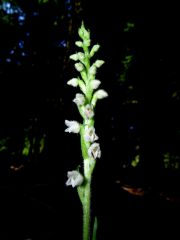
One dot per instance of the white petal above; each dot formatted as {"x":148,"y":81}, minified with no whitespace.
{"x":74,"y":178}
{"x":73,"y":126}
{"x":79,"y":99}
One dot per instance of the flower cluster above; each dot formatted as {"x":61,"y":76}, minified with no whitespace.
{"x":86,"y":101}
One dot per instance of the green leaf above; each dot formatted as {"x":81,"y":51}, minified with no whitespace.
{"x":95,"y":229}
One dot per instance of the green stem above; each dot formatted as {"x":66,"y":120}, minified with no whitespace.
{"x":86,"y":211}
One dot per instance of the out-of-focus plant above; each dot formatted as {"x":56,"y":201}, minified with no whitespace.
{"x":86,"y":103}
{"x":171,"y":161}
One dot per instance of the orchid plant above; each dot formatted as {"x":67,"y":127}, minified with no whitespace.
{"x":86,"y":103}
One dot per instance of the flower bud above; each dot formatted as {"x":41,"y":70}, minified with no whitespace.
{"x":100,"y":94}
{"x":95,"y":84}
{"x":74,"y":57}
{"x":73,"y":82}
{"x":83,"y":33}
{"x":92,"y":70}
{"x":79,"y":43}
{"x":94,"y":49}
{"x":81,"y":56}
{"x":79,"y":67}
{"x":99,"y":63}
{"x":86,"y":35}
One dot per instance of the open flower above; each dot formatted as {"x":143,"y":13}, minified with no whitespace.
{"x":74,"y":179}
{"x":79,"y":99}
{"x":73,"y":126}
{"x":90,"y":135}
{"x":94,"y":151}
{"x":88,"y":111}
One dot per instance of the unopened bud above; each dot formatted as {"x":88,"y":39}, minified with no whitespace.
{"x":94,"y":49}
{"x":79,"y":67}
{"x":99,"y":63}
{"x":74,"y":57}
{"x":79,"y":43}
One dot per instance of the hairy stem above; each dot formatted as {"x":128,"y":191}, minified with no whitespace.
{"x":87,"y":211}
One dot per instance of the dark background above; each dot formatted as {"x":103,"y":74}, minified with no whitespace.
{"x":139,"y":119}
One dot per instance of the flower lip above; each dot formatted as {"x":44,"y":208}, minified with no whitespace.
{"x":94,"y":151}
{"x":89,"y":113}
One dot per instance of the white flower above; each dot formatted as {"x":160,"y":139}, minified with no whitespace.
{"x":74,"y":57}
{"x":79,"y":99}
{"x":73,"y":126}
{"x":79,"y":43}
{"x":90,"y":135}
{"x":94,"y":151}
{"x":95,"y":84}
{"x":99,"y":63}
{"x":73,"y":82}
{"x":88,"y":111}
{"x":74,"y":179}
{"x":79,"y":66}
{"x":94,"y":49}
{"x":100,"y":94}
